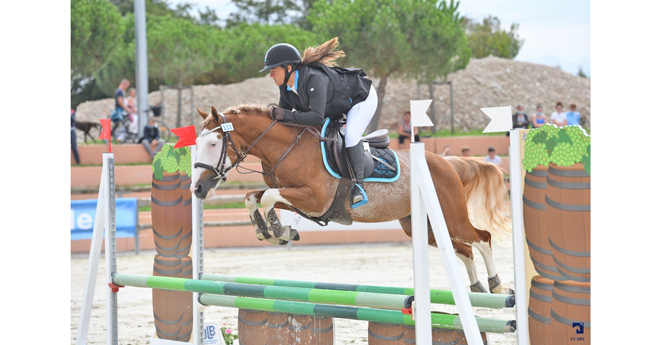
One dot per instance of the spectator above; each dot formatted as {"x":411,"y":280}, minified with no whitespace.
{"x":465,"y":151}
{"x":445,"y":151}
{"x":132,"y":111}
{"x":558,"y":117}
{"x":74,"y":139}
{"x":120,"y":106}
{"x":520,"y":119}
{"x":573,"y":117}
{"x":492,"y":157}
{"x":538,"y":119}
{"x":405,"y":130}
{"x":151,"y":136}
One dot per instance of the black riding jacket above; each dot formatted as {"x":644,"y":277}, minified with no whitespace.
{"x":323,"y":92}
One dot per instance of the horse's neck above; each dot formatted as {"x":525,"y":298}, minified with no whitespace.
{"x":273,"y":146}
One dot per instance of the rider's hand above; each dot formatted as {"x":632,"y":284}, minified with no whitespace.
{"x":277,"y":113}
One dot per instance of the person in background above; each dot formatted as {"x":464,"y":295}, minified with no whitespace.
{"x":74,"y":139}
{"x":492,"y":157}
{"x":572,"y":117}
{"x":558,"y":117}
{"x":120,"y":105}
{"x":465,"y":151}
{"x":520,"y":119}
{"x":132,"y":111}
{"x":151,"y":136}
{"x":538,"y":118}
{"x":445,"y":151}
{"x":405,"y":130}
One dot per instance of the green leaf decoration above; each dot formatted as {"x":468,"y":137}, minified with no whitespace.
{"x":564,"y":138}
{"x":157,"y":168}
{"x":563,"y":146}
{"x":586,"y":161}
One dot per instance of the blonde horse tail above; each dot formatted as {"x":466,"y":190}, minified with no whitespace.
{"x":486,"y":194}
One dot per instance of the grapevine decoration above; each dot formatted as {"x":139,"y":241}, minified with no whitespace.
{"x":171,"y":160}
{"x":563,"y":146}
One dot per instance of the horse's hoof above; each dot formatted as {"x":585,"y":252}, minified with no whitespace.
{"x":275,"y":227}
{"x":478,"y":287}
{"x":294,"y":235}
{"x":495,"y":286}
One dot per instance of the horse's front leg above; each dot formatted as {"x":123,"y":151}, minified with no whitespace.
{"x":287,"y":196}
{"x":252,"y":200}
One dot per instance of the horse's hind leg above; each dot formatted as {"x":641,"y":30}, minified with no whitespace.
{"x":494,"y":283}
{"x":251,"y":200}
{"x":463,"y":252}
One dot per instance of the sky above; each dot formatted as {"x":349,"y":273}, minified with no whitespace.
{"x":556,"y":33}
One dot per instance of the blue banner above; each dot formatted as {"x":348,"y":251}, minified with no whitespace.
{"x":83,"y":213}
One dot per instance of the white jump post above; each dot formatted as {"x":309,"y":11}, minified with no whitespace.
{"x":105,"y":220}
{"x":424,"y":203}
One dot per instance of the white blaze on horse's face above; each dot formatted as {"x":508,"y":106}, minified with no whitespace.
{"x":209,"y":150}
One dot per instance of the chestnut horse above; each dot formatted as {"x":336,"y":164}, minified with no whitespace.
{"x":292,"y":165}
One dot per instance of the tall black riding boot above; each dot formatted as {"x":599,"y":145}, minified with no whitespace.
{"x":356,"y":158}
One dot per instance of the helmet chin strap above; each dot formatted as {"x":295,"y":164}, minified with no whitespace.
{"x":287,"y":74}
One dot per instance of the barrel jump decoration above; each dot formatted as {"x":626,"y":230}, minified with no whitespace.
{"x":556,"y":212}
{"x":171,"y":214}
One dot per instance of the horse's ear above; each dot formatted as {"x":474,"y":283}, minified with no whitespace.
{"x":202,"y":114}
{"x":214,"y":113}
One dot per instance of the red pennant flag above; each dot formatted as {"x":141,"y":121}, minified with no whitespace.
{"x":105,"y":132}
{"x":187,"y":136}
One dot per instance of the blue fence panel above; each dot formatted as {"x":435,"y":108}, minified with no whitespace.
{"x":83,"y":213}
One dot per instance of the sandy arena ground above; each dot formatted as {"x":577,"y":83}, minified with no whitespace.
{"x":374,"y":264}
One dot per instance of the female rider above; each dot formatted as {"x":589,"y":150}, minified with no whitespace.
{"x":316,"y":89}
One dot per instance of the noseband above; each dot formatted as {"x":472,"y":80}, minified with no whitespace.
{"x":220,"y":170}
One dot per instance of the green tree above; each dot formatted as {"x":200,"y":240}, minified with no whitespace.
{"x":581,"y":73}
{"x":414,"y":38}
{"x":271,"y":12}
{"x":487,"y":38}
{"x":95,"y":33}
{"x":179,"y":50}
{"x":243,"y":48}
{"x":121,"y":63}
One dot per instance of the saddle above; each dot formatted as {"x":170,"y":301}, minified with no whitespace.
{"x":381,"y":163}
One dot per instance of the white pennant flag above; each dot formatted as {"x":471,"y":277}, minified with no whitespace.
{"x":500,"y":119}
{"x":418,"y":117}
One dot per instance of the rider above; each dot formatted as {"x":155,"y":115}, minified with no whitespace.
{"x":318,"y":90}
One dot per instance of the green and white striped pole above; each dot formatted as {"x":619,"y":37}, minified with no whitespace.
{"x":354,"y":313}
{"x":353,"y":298}
{"x":493,"y":301}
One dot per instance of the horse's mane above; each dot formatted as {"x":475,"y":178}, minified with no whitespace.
{"x":247,"y":108}
{"x":324,"y":54}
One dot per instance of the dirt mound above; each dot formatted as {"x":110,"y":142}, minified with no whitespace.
{"x":487,"y":82}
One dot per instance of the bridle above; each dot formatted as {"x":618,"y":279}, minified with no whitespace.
{"x":220,"y":170}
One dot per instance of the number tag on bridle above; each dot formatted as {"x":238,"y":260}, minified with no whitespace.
{"x":227,"y":127}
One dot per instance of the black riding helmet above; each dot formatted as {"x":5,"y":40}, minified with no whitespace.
{"x":281,"y":54}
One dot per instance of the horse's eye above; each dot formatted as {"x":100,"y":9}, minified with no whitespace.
{"x":213,"y":144}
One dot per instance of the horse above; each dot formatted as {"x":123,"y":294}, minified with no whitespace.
{"x":291,"y":160}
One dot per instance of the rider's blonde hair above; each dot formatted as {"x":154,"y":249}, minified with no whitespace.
{"x":324,"y":54}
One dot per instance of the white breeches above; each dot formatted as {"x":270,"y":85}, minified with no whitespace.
{"x":358,"y":118}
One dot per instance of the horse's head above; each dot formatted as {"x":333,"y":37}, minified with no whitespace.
{"x":211,"y":156}
{"x":218,"y":151}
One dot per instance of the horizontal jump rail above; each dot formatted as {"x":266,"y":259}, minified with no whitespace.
{"x":353,"y":298}
{"x":493,"y":301}
{"x":438,"y":320}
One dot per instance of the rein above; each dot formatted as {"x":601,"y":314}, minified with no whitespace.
{"x":220,"y":170}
